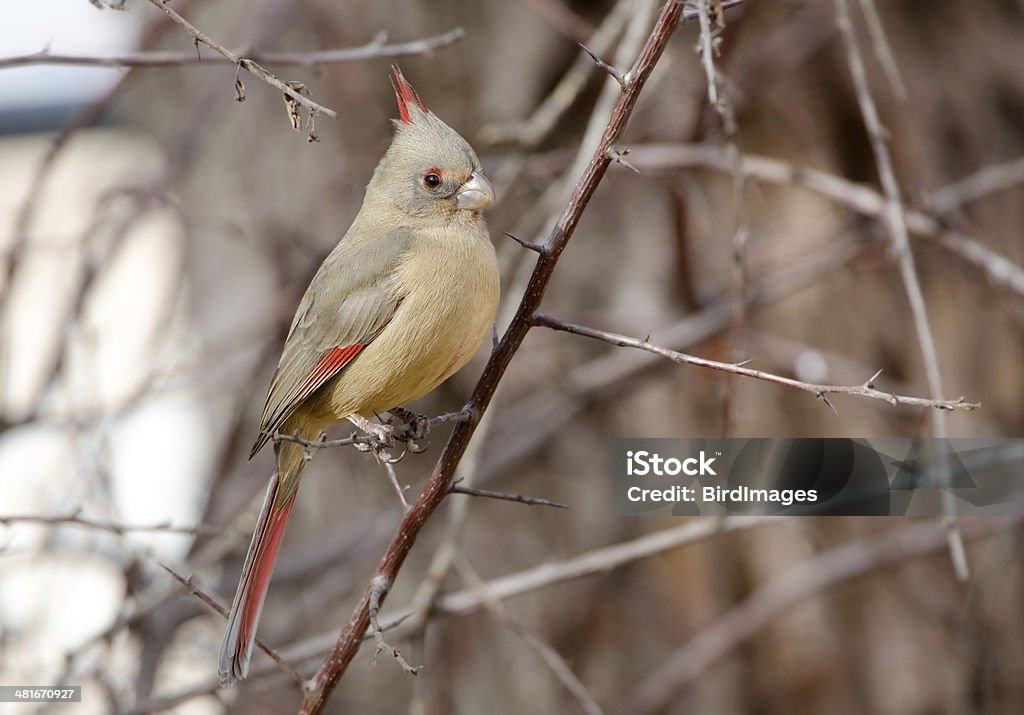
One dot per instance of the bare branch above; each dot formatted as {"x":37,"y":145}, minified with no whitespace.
{"x":75,"y":518}
{"x":819,"y":391}
{"x":251,"y":66}
{"x":378,"y":47}
{"x":519,"y":625}
{"x":883,"y":49}
{"x":533,"y":501}
{"x":896,"y":223}
{"x":211,"y":603}
{"x":983,"y":182}
{"x":808,"y":578}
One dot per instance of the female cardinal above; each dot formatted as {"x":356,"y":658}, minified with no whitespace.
{"x":402,"y":302}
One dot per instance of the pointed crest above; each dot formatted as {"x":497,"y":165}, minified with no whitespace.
{"x":405,"y":94}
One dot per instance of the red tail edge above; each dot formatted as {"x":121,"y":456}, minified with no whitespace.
{"x":240,"y":636}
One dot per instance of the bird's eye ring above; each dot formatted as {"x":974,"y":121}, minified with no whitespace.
{"x":431,"y":180}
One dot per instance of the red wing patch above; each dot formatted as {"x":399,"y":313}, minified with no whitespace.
{"x":329,"y":365}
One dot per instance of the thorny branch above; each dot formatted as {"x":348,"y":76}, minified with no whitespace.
{"x":250,"y":66}
{"x":377,"y":47}
{"x":820,"y":391}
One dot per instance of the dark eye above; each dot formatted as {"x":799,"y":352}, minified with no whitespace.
{"x":431,"y":180}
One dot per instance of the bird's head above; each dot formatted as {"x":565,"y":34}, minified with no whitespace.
{"x":429,"y":171}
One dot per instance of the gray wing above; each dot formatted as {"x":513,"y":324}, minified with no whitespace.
{"x":347,"y":304}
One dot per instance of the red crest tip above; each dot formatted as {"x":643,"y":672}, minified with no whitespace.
{"x":405,"y":94}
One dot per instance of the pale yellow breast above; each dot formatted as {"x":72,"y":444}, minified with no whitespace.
{"x":450,"y":285}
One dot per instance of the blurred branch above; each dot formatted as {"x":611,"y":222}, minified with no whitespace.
{"x":520,"y":626}
{"x":862,"y":199}
{"x":708,"y":47}
{"x":896,"y":222}
{"x":250,"y":66}
{"x":820,"y":391}
{"x":212,"y":603}
{"x":883,"y":50}
{"x":378,"y":47}
{"x":597,"y":561}
{"x":531,"y":131}
{"x":802,"y":581}
{"x":440,"y":480}
{"x":987,"y":180}
{"x":75,"y":518}
{"x":562,"y":18}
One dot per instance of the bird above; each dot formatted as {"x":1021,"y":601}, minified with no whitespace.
{"x":402,"y":302}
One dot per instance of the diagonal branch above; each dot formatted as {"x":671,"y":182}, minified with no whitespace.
{"x":896,"y":222}
{"x":250,"y":66}
{"x":438,"y":485}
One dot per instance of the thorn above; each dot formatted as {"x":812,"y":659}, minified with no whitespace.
{"x":824,"y":398}
{"x":239,"y":84}
{"x":615,"y":74}
{"x":199,"y":55}
{"x":529,"y":245}
{"x":291,"y":105}
{"x":870,"y":384}
{"x":743,"y":363}
{"x":619,"y":157}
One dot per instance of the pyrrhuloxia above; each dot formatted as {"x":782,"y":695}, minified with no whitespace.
{"x":402,"y":302}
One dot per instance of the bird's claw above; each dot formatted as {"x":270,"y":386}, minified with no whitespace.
{"x":413,"y":428}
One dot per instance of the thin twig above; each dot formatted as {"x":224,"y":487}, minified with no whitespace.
{"x":250,"y":66}
{"x":378,"y":47}
{"x":820,"y":391}
{"x":883,"y":50}
{"x":380,"y":588}
{"x":533,"y":501}
{"x":896,"y":223}
{"x":519,"y":625}
{"x":75,"y":518}
{"x":985,"y":181}
{"x":212,"y":603}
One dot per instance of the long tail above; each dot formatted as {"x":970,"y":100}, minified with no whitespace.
{"x":240,"y":636}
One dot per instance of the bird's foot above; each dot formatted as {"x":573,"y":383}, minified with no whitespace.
{"x":412,"y":429}
{"x":382,"y":435}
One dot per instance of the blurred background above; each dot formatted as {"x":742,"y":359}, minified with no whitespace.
{"x":156,"y":236}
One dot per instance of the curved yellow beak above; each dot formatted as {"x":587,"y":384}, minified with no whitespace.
{"x":476,"y":194}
